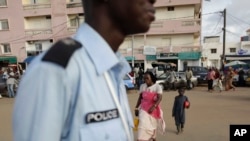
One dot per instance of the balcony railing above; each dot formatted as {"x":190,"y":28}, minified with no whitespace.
{"x":175,"y":26}
{"x":38,"y":31}
{"x":160,"y":3}
{"x":36,"y":6}
{"x":74,"y":4}
{"x":72,"y":29}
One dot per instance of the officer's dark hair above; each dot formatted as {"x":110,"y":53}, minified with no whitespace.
{"x":153,"y":77}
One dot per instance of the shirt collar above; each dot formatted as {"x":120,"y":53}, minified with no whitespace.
{"x":99,"y":50}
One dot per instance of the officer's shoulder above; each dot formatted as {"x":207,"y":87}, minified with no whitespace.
{"x":61,"y":52}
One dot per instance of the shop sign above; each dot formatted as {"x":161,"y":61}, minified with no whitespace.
{"x":242,"y":52}
{"x":189,"y":55}
{"x":167,"y":56}
{"x":149,"y":50}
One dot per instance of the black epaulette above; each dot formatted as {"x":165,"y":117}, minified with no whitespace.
{"x":61,"y":52}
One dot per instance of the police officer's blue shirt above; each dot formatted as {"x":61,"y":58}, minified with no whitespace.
{"x":73,"y":103}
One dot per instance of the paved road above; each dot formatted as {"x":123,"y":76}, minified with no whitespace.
{"x":208,"y":118}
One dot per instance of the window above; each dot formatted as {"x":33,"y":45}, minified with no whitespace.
{"x":76,"y":21}
{"x":5,"y":47}
{"x":171,"y":8}
{"x":39,"y":47}
{"x":4,"y":25}
{"x":213,"y":50}
{"x":3,"y":3}
{"x":232,"y":50}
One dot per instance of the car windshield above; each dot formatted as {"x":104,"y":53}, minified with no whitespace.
{"x":162,"y":75}
{"x":199,"y":69}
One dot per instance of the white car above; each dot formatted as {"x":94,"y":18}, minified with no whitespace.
{"x":180,"y":81}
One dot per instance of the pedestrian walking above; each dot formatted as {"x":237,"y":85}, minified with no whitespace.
{"x":241,"y":73}
{"x":148,"y":109}
{"x":218,"y":84}
{"x":11,"y":79}
{"x":172,"y":79}
{"x":210,"y":79}
{"x":229,"y":79}
{"x":178,"y":111}
{"x":74,"y":91}
{"x":189,"y":75}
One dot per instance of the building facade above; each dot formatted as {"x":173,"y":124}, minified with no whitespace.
{"x":175,"y":36}
{"x":29,"y":27}
{"x":243,"y":52}
{"x":213,"y":49}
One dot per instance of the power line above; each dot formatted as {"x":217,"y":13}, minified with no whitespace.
{"x":233,"y":19}
{"x":217,"y":24}
{"x":239,"y":19}
{"x":232,"y":33}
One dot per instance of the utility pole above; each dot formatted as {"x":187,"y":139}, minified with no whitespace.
{"x":224,"y":40}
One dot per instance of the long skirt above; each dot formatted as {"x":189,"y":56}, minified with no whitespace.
{"x":149,"y":126}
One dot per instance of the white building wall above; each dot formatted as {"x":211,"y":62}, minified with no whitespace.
{"x":214,"y":59}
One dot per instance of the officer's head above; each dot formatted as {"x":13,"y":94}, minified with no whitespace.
{"x":128,"y":16}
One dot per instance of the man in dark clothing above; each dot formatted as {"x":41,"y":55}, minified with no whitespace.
{"x":241,"y":73}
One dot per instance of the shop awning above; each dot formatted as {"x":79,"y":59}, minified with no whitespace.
{"x":8,"y":59}
{"x":129,"y":58}
{"x":189,"y":55}
{"x":150,"y":57}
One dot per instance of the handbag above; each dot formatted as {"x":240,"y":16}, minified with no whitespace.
{"x":136,"y":123}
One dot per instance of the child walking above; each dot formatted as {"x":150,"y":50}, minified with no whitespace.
{"x":178,"y":111}
{"x":219,"y":84}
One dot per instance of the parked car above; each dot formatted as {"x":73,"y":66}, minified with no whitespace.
{"x":160,"y":67}
{"x":236,"y":79}
{"x":180,"y":80}
{"x":129,"y":82}
{"x":200,"y":73}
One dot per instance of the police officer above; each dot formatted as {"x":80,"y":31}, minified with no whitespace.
{"x":74,"y":91}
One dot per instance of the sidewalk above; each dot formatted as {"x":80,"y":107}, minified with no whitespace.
{"x":209,"y":116}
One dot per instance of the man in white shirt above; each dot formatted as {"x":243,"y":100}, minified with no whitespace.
{"x":10,"y":82}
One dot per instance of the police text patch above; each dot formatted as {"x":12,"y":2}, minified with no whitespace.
{"x":102,"y":116}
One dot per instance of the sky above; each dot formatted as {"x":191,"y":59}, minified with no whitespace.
{"x":237,"y":18}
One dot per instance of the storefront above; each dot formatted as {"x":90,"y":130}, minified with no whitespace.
{"x":189,"y":59}
{"x":168,"y":58}
{"x":244,"y":58}
{"x":138,"y":61}
{"x":8,"y":59}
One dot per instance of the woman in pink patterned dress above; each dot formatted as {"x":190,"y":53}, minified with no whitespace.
{"x":148,"y":109}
